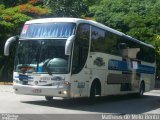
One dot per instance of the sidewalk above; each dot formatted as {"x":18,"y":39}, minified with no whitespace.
{"x":6,"y":83}
{"x":6,"y":88}
{"x":157,"y":91}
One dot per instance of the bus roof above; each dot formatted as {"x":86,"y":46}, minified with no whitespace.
{"x":78,"y":21}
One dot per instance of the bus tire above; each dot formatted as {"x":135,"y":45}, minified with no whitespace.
{"x":49,"y":98}
{"x":142,"y":89}
{"x":92,"y":94}
{"x":95,"y":90}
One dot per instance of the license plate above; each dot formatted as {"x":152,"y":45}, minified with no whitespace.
{"x":36,"y":90}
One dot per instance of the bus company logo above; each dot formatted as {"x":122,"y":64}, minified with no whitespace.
{"x":58,"y":78}
{"x":42,"y":81}
{"x":99,"y":62}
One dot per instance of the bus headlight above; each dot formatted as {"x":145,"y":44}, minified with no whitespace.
{"x":62,"y":83}
{"x":66,"y":83}
{"x":16,"y":81}
{"x":65,"y":92}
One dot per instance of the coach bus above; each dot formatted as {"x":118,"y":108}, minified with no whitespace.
{"x":72,"y":58}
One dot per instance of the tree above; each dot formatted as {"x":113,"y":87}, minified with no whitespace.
{"x":11,"y":22}
{"x":67,"y":8}
{"x":10,"y":3}
{"x":139,"y":19}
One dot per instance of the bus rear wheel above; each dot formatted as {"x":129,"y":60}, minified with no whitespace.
{"x":93,"y":91}
{"x":142,"y":89}
{"x":49,"y":98}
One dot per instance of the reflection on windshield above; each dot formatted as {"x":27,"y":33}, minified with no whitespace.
{"x":42,"y":56}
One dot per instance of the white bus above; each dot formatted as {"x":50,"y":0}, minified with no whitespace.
{"x":71,"y":58}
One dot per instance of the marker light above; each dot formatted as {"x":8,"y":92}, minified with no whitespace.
{"x":66,"y":83}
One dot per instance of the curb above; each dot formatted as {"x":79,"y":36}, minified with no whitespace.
{"x":6,"y":83}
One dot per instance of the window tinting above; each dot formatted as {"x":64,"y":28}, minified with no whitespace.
{"x":81,"y":47}
{"x":108,"y":42}
{"x":98,"y":39}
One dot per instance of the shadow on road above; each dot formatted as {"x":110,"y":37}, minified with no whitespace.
{"x":126,"y":104}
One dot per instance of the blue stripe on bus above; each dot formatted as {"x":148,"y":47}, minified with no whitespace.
{"x":145,"y":69}
{"x":118,"y":65}
{"x":123,"y":66}
{"x":24,"y":77}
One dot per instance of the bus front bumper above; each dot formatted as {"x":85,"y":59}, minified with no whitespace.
{"x":42,"y":90}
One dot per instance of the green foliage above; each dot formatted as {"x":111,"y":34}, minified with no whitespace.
{"x":10,"y":3}
{"x":11,"y":22}
{"x":67,"y":8}
{"x":139,"y":19}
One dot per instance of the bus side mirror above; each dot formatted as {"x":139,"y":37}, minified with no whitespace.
{"x":68,"y":45}
{"x":7,"y":44}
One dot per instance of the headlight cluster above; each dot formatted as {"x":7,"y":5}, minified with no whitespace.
{"x":17,"y":82}
{"x":61,"y":83}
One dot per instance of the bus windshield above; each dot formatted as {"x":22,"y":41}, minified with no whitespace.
{"x":42,"y":56}
{"x":41,"y":48}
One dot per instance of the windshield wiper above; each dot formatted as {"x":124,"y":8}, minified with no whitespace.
{"x":47,"y":68}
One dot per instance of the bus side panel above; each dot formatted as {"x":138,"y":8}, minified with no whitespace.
{"x":99,"y":66}
{"x":148,"y":75}
{"x":113,"y":77}
{"x":80,"y":84}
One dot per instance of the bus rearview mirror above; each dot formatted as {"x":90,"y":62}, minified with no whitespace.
{"x":7,"y":44}
{"x":68,"y":45}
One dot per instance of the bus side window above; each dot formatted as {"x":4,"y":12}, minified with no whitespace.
{"x":81,"y":47}
{"x":76,"y":60}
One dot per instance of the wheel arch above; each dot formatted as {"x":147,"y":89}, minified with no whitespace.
{"x":97,"y":81}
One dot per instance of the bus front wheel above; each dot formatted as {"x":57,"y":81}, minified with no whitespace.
{"x":95,"y":90}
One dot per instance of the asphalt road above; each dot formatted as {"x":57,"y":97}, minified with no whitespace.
{"x":37,"y":108}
